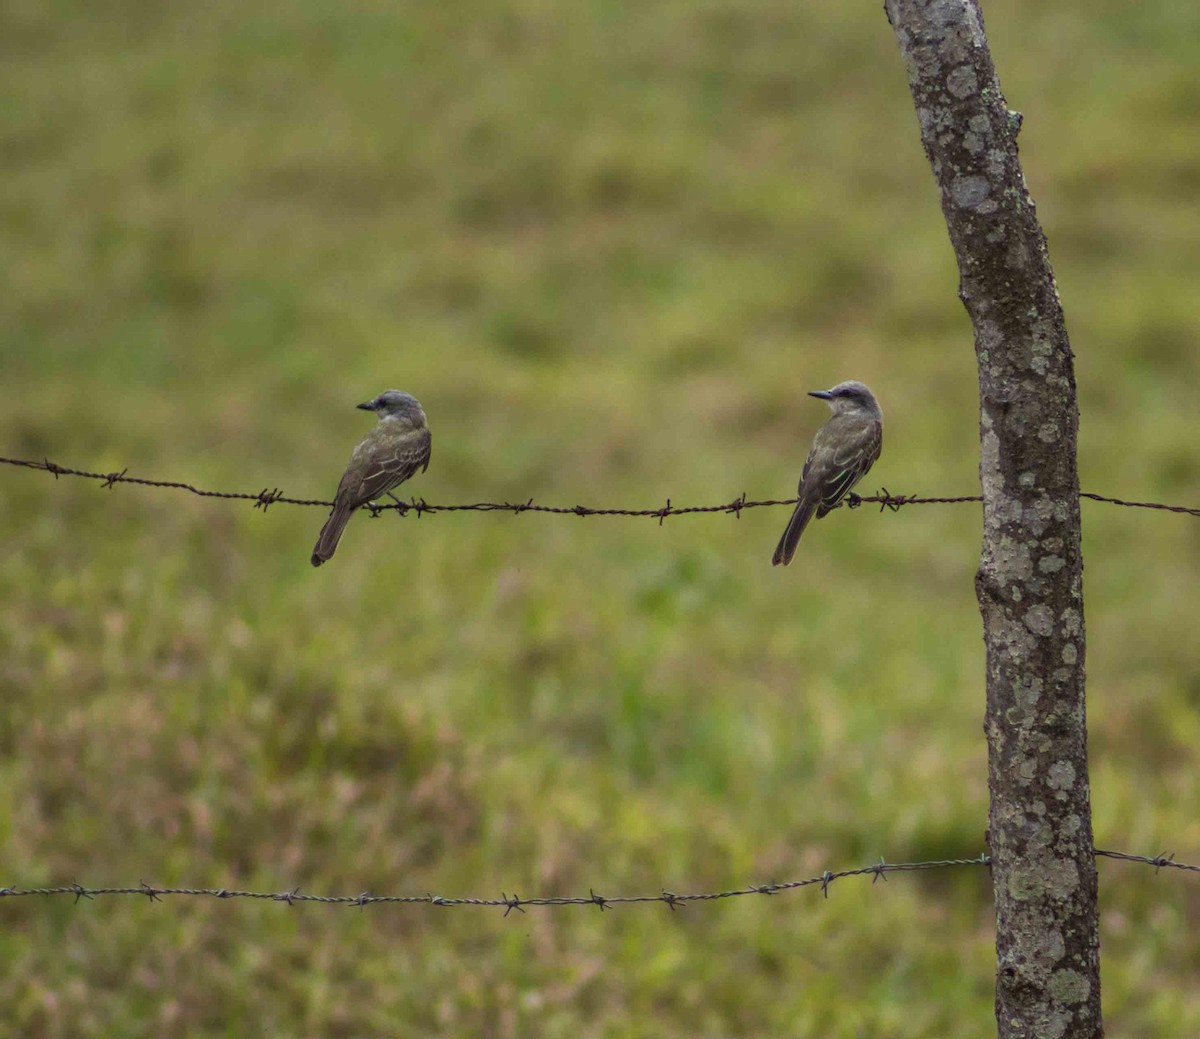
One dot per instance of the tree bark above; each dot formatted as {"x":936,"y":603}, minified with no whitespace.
{"x":1029,"y":583}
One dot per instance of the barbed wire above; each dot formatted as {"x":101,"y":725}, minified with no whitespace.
{"x":272,"y":496}
{"x":1183,"y":509}
{"x":1166,"y":860}
{"x":508,"y":903}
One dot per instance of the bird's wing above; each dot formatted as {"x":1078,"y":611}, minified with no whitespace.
{"x":846,"y":465}
{"x":388,"y":467}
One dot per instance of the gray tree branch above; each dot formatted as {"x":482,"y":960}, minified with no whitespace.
{"x":1029,"y":582}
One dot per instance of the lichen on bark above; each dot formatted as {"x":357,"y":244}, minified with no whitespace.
{"x":1029,"y":583}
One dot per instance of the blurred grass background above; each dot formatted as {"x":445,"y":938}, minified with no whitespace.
{"x":608,"y":245}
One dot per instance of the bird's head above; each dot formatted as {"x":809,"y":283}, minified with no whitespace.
{"x":850,"y":397}
{"x":396,"y":404}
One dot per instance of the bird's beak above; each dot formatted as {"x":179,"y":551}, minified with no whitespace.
{"x":367,"y":406}
{"x":821,"y":394}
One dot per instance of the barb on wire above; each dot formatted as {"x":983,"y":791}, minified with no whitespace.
{"x":509,"y":903}
{"x":267,"y":497}
{"x":1157,"y":861}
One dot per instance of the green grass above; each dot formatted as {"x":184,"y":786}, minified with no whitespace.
{"x":608,"y":245}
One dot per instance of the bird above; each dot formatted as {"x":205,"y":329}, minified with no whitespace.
{"x":388,"y":455}
{"x":842,"y":451}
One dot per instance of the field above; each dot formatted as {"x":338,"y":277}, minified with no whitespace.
{"x":609,"y":245}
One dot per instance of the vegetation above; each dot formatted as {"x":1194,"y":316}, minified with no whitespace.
{"x":608,"y":245}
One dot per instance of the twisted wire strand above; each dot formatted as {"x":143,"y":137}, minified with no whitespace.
{"x":271,"y":496}
{"x":509,"y":903}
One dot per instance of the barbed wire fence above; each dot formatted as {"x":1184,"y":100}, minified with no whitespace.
{"x":272,"y":496}
{"x":267,"y":497}
{"x":507,"y":902}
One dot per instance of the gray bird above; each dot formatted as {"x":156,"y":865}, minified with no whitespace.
{"x":387,"y":456}
{"x":842,"y":452}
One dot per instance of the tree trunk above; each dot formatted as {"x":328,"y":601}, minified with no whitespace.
{"x":1029,"y":583}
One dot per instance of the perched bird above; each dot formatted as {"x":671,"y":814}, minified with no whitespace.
{"x":387,"y":456}
{"x":842,"y":452}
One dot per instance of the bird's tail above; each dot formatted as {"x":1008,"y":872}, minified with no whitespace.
{"x":791,"y":536}
{"x":331,"y":534}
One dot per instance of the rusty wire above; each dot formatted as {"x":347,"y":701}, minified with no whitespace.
{"x":271,"y":496}
{"x":508,"y":903}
